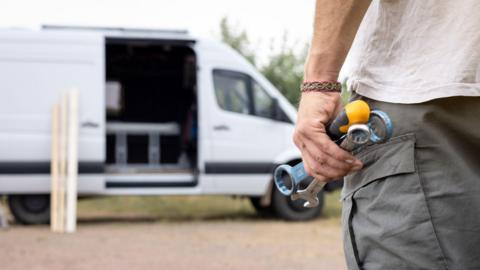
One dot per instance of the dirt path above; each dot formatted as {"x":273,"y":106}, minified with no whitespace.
{"x":246,"y":244}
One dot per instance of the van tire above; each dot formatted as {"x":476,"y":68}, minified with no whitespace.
{"x":264,"y":211}
{"x":290,"y":210}
{"x":30,"y":209}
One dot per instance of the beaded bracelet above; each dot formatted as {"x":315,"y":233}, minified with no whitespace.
{"x":322,"y":86}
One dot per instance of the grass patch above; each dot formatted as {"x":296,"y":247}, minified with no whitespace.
{"x":333,"y":206}
{"x":176,"y":208}
{"x":166,"y":207}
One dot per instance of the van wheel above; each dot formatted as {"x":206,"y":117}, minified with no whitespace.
{"x":287,"y":209}
{"x":30,"y":209}
{"x":264,"y":211}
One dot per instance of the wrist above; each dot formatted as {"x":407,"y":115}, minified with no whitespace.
{"x":324,"y":105}
{"x":332,"y":96}
{"x":320,"y":68}
{"x":316,"y":76}
{"x":325,"y":97}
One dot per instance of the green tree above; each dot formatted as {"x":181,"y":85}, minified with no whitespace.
{"x":283,"y":68}
{"x":237,"y":39}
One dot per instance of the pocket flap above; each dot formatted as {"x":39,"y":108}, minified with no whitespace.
{"x":394,"y":157}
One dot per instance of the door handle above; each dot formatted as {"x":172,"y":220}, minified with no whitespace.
{"x":89,"y":124}
{"x":221,"y":127}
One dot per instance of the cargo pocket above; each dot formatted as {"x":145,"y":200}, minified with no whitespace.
{"x":386,"y":221}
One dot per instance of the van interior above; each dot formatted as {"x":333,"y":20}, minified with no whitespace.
{"x":151,"y":106}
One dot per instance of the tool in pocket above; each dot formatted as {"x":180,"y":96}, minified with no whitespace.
{"x":354,"y":127}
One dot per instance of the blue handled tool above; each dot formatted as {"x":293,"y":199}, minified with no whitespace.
{"x":296,"y":175}
{"x":287,"y":178}
{"x":376,"y":129}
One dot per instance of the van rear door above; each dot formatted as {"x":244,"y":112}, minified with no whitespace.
{"x":36,"y":68}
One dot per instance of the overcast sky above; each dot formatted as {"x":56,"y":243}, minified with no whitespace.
{"x":263,"y":20}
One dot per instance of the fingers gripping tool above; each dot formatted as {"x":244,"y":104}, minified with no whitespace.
{"x":355,"y":126}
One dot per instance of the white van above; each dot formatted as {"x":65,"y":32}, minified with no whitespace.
{"x":161,"y":113}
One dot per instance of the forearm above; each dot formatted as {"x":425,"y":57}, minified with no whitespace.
{"x":336,"y":23}
{"x":335,"y":26}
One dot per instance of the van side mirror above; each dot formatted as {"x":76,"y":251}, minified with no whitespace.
{"x":275,"y":110}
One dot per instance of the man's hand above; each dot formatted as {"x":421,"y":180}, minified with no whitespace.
{"x":335,"y":26}
{"x":322,"y":157}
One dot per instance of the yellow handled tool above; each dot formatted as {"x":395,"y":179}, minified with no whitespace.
{"x":355,"y":112}
{"x":361,"y":126}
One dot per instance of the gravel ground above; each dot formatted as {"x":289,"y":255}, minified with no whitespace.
{"x":135,"y":243}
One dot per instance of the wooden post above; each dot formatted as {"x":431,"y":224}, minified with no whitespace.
{"x":62,"y":163}
{"x":3,"y":218}
{"x":54,"y":169}
{"x":64,"y":166}
{"x":72,"y":163}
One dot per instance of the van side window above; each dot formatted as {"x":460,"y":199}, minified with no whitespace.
{"x":262,"y":101}
{"x":231,"y":90}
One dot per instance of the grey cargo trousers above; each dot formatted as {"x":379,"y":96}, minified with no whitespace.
{"x":416,"y":202}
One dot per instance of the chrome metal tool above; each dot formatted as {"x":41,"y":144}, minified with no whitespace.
{"x":287,"y":179}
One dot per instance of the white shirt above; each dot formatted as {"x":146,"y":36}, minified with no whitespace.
{"x":411,"y":51}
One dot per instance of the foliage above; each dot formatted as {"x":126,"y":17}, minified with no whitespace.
{"x":238,"y":40}
{"x":283,"y":68}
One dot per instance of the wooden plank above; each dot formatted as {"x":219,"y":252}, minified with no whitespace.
{"x":72,"y":162}
{"x":3,"y":218}
{"x":54,"y":169}
{"x":62,"y":163}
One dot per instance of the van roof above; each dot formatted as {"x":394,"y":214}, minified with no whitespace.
{"x":126,"y":32}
